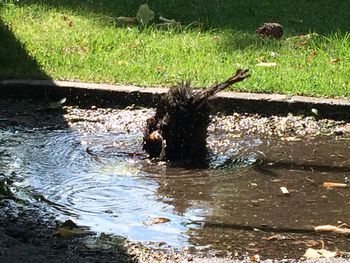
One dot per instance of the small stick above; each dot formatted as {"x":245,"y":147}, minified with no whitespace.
{"x":333,"y":185}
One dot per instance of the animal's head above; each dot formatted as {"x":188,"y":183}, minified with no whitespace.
{"x":153,"y":139}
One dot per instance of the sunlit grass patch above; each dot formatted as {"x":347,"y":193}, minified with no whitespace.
{"x":85,"y":44}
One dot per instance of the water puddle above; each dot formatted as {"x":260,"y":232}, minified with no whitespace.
{"x":100,"y":179}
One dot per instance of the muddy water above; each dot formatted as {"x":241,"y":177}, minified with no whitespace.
{"x":102,"y":180}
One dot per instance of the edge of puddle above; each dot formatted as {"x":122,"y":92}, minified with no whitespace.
{"x":105,"y":95}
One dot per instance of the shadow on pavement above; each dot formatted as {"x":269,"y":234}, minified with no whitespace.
{"x":25,"y":234}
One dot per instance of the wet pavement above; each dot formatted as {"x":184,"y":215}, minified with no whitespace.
{"x":87,"y":165}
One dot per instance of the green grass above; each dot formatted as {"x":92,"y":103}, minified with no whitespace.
{"x":79,"y":40}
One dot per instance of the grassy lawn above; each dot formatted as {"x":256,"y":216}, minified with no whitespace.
{"x":80,"y":40}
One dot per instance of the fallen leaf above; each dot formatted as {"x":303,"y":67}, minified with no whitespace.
{"x":68,"y":20}
{"x":261,"y":59}
{"x":276,"y":237}
{"x":291,"y":139}
{"x":319,"y":253}
{"x":159,"y":69}
{"x":312,"y":243}
{"x":255,"y":258}
{"x":56,"y":104}
{"x":335,"y":60}
{"x":311,"y":56}
{"x":334,"y":229}
{"x":159,"y":220}
{"x":122,"y":62}
{"x":284,"y":190}
{"x":314,"y":111}
{"x":266,"y":64}
{"x":325,"y":228}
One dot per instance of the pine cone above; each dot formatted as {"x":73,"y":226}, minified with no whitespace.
{"x":273,"y":30}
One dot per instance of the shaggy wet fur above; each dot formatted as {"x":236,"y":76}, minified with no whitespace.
{"x":178,"y":131}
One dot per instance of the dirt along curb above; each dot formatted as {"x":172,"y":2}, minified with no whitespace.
{"x":102,"y":95}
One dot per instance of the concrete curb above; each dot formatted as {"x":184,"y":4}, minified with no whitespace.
{"x":103,"y":95}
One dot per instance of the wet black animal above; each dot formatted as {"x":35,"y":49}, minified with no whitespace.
{"x":178,"y":130}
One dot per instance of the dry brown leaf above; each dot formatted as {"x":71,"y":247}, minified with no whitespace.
{"x":254,"y":258}
{"x":312,"y":243}
{"x":261,"y":59}
{"x":311,"y":56}
{"x":335,"y":60}
{"x":301,"y":43}
{"x":68,"y":20}
{"x":159,"y":220}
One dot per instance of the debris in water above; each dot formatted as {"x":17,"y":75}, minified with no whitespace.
{"x":56,"y":104}
{"x":284,"y":190}
{"x":319,"y":253}
{"x":334,"y":229}
{"x":334,"y":185}
{"x":315,"y":111}
{"x":277,"y":237}
{"x":159,"y":220}
{"x":291,"y":139}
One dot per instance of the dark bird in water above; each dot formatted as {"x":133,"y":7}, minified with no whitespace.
{"x":178,"y":130}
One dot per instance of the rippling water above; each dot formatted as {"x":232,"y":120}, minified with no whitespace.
{"x":102,"y":180}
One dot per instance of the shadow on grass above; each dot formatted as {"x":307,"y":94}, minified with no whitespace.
{"x":17,"y":63}
{"x":298,"y":17}
{"x":12,"y":54}
{"x":26,"y":235}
